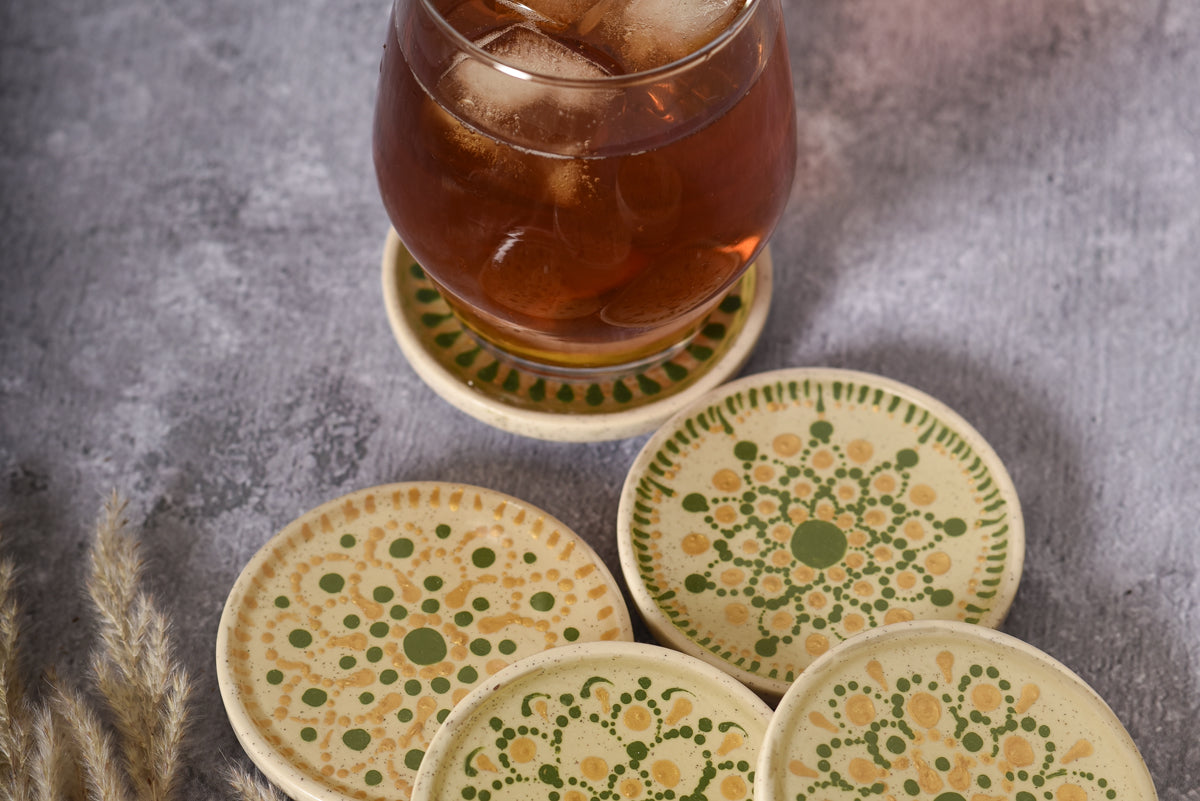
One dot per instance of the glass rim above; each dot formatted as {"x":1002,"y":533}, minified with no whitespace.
{"x":474,"y":51}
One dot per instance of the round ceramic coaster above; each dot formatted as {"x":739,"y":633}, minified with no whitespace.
{"x":351,"y":634}
{"x":947,"y":712}
{"x":790,"y":510}
{"x":507,"y":396}
{"x":599,"y":721}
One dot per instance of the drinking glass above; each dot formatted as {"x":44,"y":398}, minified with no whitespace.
{"x":584,"y":181}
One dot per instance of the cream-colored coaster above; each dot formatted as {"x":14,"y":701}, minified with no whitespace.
{"x":352,"y":633}
{"x":949,"y":712}
{"x":788,"y":511}
{"x":507,"y":395}
{"x":613,"y":721}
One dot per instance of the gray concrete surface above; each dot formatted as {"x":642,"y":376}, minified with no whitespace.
{"x":997,"y":202}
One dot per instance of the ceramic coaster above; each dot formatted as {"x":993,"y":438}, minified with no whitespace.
{"x":599,"y":721}
{"x":508,"y":396}
{"x":790,"y":510}
{"x":948,"y":712}
{"x":351,"y":634}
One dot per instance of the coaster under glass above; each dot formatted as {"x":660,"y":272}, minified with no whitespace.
{"x":506,"y":394}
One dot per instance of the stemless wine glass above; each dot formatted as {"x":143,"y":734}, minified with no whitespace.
{"x":584,"y":180}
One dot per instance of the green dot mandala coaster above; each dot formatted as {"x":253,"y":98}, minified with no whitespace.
{"x":616,"y":721}
{"x":511,"y":396}
{"x":352,"y":633}
{"x":788,"y":511}
{"x":945,"y":711}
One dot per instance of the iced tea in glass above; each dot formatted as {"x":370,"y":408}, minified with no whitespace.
{"x":584,"y":179}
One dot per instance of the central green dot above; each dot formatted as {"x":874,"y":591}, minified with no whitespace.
{"x":332,"y":582}
{"x":542,"y":601}
{"x":819,"y":543}
{"x":424,"y":646}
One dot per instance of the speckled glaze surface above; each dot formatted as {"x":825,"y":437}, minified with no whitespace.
{"x":946,"y":711}
{"x":510,"y":396}
{"x":791,"y":510}
{"x":352,"y":633}
{"x":615,"y":721}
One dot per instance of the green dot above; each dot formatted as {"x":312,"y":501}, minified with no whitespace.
{"x":746,"y":451}
{"x":530,"y":557}
{"x":380,"y":629}
{"x":442,"y":531}
{"x":404,"y":715}
{"x":300,"y":638}
{"x":401,"y":548}
{"x":314,"y":697}
{"x":480,"y":604}
{"x":398,"y":612}
{"x":388,"y":677}
{"x":463,"y":619}
{"x":695,"y":502}
{"x":424,"y":646}
{"x":366,"y":698}
{"x":332,"y":582}
{"x":468,"y":675}
{"x":372,"y":778}
{"x":911,"y":787}
{"x":412,"y":760}
{"x":571,"y":634}
{"x":383,"y":594}
{"x":274,"y":677}
{"x":351,"y":621}
{"x":896,"y":745}
{"x":347,"y":662}
{"x":542,"y":601}
{"x":637,"y":750}
{"x":972,"y":742}
{"x":821,"y":429}
{"x":955,"y":527}
{"x":695,"y":583}
{"x":818,"y":543}
{"x":766,"y":646}
{"x":942,"y":597}
{"x":374,"y":653}
{"x":282,"y":602}
{"x":483,"y":557}
{"x":907,"y":458}
{"x":480,"y":647}
{"x":308,"y":734}
{"x":430,"y":605}
{"x":412,"y":687}
{"x":356,"y":739}
{"x":507,"y":647}
{"x":433,"y":583}
{"x":347,"y":540}
{"x":440,"y":684}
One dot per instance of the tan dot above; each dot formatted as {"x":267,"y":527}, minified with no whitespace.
{"x":787,"y":444}
{"x":802,"y":489}
{"x":922,"y":495}
{"x":781,"y":558}
{"x":725,"y":514}
{"x":855,"y":560}
{"x":803,"y":574}
{"x":767,"y":508}
{"x":986,"y":697}
{"x":750,"y":546}
{"x":837,"y":574}
{"x":897,"y":615}
{"x":637,"y":718}
{"x":733,"y":576}
{"x":925,"y":710}
{"x":854,"y":622}
{"x":816,"y":600}
{"x":875,"y":518}
{"x":733,"y":787}
{"x":860,"y":709}
{"x":884,"y":554}
{"x":630,"y":788}
{"x":885,"y":483}
{"x":937,"y":563}
{"x":863,"y":771}
{"x":906,"y":580}
{"x":781,"y":534}
{"x":574,"y":795}
{"x":665,"y":772}
{"x":914,"y":530}
{"x":726,"y":480}
{"x":1018,"y":751}
{"x":594,"y":768}
{"x":863,"y":588}
{"x":816,"y":644}
{"x":737,"y":614}
{"x":782,"y":621}
{"x":694,"y":544}
{"x":822,"y":459}
{"x":1070,"y":792}
{"x":860,"y":451}
{"x":764,"y":473}
{"x":845,"y":521}
{"x":846,"y":492}
{"x":522,"y":749}
{"x":825,"y":512}
{"x":772,"y":584}
{"x":857,"y":538}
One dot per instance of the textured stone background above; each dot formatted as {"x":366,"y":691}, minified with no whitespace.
{"x":998,"y":202}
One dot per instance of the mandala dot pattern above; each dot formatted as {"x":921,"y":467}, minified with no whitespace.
{"x":793,"y":510}
{"x":352,"y":634}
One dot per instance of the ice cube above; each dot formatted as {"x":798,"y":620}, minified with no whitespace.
{"x":562,"y":12}
{"x":522,"y":110}
{"x":651,"y":33}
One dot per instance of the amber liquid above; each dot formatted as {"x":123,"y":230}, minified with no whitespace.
{"x":613,"y":239}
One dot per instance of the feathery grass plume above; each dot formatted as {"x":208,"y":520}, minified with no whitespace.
{"x":136,"y":672}
{"x":16,"y":725}
{"x":247,"y":787}
{"x":54,"y":763}
{"x":93,"y":746}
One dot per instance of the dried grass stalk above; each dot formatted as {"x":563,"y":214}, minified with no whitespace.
{"x":247,"y":787}
{"x":93,"y":746}
{"x":16,"y":724}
